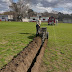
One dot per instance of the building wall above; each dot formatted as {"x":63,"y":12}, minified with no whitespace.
{"x":43,"y":19}
{"x":33,"y":19}
{"x":4,"y":17}
{"x":10,"y":16}
{"x":67,"y":20}
{"x":25,"y":20}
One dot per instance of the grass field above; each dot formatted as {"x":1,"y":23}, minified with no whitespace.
{"x":14,"y":36}
{"x":58,"y":54}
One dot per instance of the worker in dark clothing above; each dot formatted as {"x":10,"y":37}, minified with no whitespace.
{"x":38,"y":23}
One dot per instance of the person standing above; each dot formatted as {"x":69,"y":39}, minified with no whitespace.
{"x":56,"y":22}
{"x":38,"y":23}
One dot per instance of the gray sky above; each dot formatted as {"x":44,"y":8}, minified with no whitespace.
{"x":64,"y":6}
{"x":4,"y":5}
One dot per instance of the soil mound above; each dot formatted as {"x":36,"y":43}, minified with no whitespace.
{"x":24,"y":59}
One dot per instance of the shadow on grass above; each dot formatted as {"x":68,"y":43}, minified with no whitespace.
{"x":24,"y":33}
{"x":32,"y":36}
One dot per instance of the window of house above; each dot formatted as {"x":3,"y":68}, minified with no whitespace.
{"x":3,"y":17}
{"x":34,"y":19}
{"x":43,"y":19}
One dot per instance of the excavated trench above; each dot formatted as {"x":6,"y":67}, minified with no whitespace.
{"x":29,"y":59}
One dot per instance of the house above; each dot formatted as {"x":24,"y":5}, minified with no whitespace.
{"x":43,"y":19}
{"x":67,"y":20}
{"x":10,"y":17}
{"x":25,"y":20}
{"x":3,"y":17}
{"x":6,"y":17}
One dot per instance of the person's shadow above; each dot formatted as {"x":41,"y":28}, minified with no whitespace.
{"x":31,"y":35}
{"x":24,"y":33}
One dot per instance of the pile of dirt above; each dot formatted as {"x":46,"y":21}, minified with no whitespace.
{"x":37,"y":64}
{"x":25,"y":58}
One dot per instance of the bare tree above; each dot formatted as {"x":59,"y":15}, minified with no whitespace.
{"x":20,"y":9}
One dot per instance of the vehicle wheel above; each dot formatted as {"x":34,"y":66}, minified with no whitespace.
{"x":36,"y":35}
{"x":47,"y":35}
{"x":43,"y":37}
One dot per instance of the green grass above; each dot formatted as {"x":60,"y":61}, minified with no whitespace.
{"x":14,"y":36}
{"x":58,"y":54}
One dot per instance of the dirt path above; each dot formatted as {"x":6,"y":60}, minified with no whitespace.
{"x":27,"y":60}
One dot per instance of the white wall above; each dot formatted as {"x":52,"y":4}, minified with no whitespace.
{"x":31,"y":19}
{"x":10,"y":16}
{"x":43,"y":19}
{"x":25,"y":20}
{"x":46,"y":19}
{"x":4,"y":17}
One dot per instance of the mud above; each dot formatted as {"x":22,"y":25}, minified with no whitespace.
{"x":24,"y":59}
{"x":37,"y":64}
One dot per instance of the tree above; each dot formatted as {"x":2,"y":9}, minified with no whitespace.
{"x":20,"y":9}
{"x":31,"y":13}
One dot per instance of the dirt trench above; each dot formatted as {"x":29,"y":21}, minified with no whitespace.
{"x":29,"y":59}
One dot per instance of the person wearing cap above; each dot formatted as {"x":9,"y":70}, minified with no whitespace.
{"x":38,"y":23}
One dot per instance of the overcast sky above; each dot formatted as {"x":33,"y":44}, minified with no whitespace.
{"x":64,"y":6}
